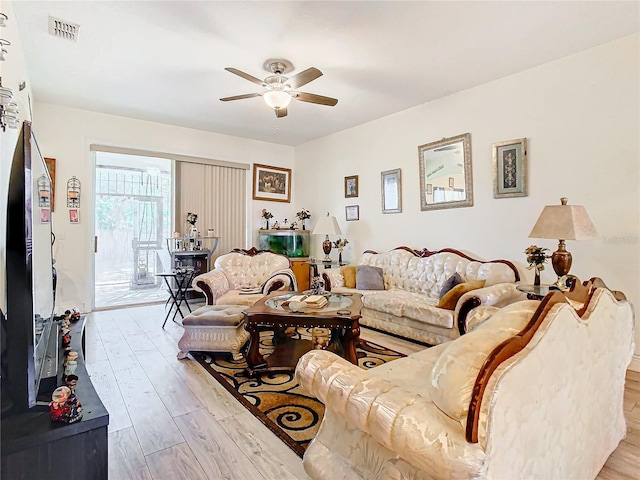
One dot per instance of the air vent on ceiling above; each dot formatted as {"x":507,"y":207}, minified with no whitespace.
{"x":63,"y":29}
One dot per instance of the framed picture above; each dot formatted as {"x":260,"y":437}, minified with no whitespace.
{"x":351,"y":186}
{"x":51,"y":166}
{"x":429,"y":189}
{"x":271,"y":183}
{"x":391,"y":191}
{"x":74,"y":215}
{"x":510,"y":169}
{"x":45,"y":216}
{"x":352,"y":212}
{"x":451,"y":182}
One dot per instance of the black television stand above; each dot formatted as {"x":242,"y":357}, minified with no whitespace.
{"x":34,"y":447}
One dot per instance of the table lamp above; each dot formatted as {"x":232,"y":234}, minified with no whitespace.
{"x":564,"y":222}
{"x":327,"y":226}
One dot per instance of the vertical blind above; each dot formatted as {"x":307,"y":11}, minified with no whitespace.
{"x":217,"y":194}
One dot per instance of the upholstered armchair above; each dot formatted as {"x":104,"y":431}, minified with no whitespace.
{"x":533,"y":391}
{"x":242,"y":277}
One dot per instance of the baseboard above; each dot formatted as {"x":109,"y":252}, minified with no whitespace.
{"x":635,"y":363}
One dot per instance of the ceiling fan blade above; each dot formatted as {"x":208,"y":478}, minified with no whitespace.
{"x":313,"y":98}
{"x":246,"y":76}
{"x":281,"y":112}
{"x":240,"y":97}
{"x":304,"y":77}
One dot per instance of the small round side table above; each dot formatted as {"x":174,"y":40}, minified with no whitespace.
{"x":536,"y":292}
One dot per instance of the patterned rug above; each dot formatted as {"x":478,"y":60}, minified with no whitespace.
{"x":276,"y":398}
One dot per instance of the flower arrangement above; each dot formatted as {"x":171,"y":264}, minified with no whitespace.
{"x":303,"y":214}
{"x":192,"y":218}
{"x":266,"y":214}
{"x":340,"y":243}
{"x":536,"y":258}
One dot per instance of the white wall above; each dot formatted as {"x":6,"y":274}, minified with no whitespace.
{"x":66,"y":134}
{"x":581,"y":117}
{"x":13,"y":71}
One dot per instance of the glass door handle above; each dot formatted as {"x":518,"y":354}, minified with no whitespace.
{"x":95,"y":244}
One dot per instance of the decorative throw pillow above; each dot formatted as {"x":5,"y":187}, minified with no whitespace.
{"x":369,"y":278}
{"x":451,"y":298}
{"x":349,"y":274}
{"x":451,"y":282}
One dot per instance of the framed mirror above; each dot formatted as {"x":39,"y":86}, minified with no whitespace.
{"x":445,"y":173}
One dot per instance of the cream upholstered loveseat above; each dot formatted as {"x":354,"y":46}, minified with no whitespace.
{"x":413,"y":280}
{"x":534,"y":392}
{"x":242,"y":277}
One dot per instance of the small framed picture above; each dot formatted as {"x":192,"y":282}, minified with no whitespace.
{"x":510,"y":168}
{"x":391,"y":191}
{"x":271,"y":183}
{"x":74,"y":215}
{"x":45,"y":215}
{"x":451,"y":182}
{"x":352,"y":212}
{"x":351,"y":186}
{"x":429,"y":189}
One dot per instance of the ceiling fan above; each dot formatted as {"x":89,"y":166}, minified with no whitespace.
{"x":279,"y":90}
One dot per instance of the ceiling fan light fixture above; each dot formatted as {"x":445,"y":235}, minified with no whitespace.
{"x":277,"y":99}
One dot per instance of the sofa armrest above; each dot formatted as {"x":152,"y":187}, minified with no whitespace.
{"x":281,"y":280}
{"x":332,"y":278}
{"x":213,"y":284}
{"x":404,"y":422}
{"x":495,"y":296}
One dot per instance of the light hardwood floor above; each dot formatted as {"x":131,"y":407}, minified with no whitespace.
{"x":169,"y":419}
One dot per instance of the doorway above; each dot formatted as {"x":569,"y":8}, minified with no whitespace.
{"x":133,"y":199}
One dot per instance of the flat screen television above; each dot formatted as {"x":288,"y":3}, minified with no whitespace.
{"x":29,"y":276}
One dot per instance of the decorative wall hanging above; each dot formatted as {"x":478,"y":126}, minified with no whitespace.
{"x":351,"y":186}
{"x":44,"y":191}
{"x":352,"y":212}
{"x":391,"y":191}
{"x":74,"y":216}
{"x":510,"y":168}
{"x":45,"y":215}
{"x":73,"y":193}
{"x":51,"y":166}
{"x":271,"y":183}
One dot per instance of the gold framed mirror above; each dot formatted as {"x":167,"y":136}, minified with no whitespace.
{"x":445,"y":173}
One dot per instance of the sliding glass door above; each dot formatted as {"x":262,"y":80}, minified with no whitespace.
{"x":133,"y":198}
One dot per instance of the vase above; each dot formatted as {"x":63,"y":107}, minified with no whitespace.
{"x":267,"y":225}
{"x":536,"y":278}
{"x":303,"y":228}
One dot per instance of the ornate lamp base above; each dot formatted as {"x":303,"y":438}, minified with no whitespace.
{"x":326,"y":248}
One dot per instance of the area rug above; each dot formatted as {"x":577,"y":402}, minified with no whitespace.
{"x":276,"y":398}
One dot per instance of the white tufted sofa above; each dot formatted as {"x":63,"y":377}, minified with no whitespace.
{"x":242,"y":277}
{"x":536,"y":391}
{"x":413,"y":280}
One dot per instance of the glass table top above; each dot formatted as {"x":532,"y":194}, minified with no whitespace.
{"x":336,"y":303}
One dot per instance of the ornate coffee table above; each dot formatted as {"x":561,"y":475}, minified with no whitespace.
{"x":340,"y":316}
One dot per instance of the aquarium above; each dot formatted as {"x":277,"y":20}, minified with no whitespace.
{"x":292,"y":243}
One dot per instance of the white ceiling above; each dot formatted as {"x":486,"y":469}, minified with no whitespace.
{"x":164,"y":61}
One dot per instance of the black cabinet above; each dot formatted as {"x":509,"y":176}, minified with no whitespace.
{"x":34,"y":447}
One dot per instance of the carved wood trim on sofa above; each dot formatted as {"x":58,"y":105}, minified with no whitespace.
{"x":582,"y":293}
{"x":427,"y":253}
{"x":253,"y":251}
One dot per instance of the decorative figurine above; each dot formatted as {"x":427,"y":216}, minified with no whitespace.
{"x":64,"y":406}
{"x":317,"y":285}
{"x":71,"y":382}
{"x":66,"y":340}
{"x":75,"y":314}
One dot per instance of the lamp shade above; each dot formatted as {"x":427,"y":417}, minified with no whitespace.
{"x":277,"y":99}
{"x":566,"y":222}
{"x":327,"y":226}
